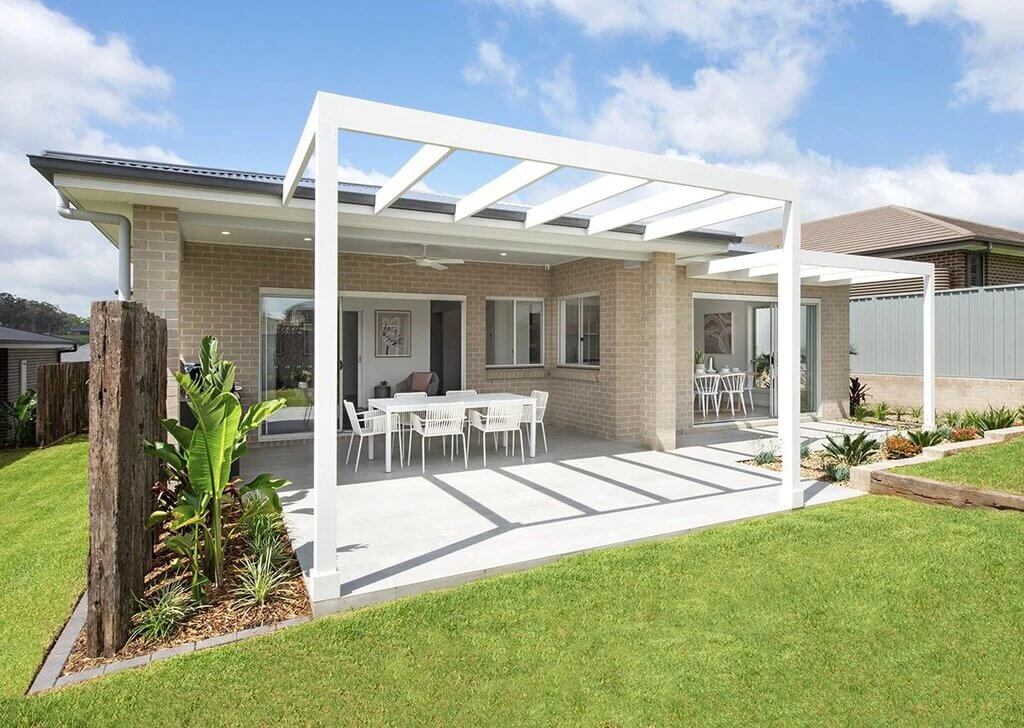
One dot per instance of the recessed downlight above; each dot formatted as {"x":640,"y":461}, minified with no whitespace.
{"x":308,"y":240}
{"x":502,"y":254}
{"x":225,"y":232}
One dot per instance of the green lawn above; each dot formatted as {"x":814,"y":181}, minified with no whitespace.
{"x":991,"y":467}
{"x":43,"y":546}
{"x":876,"y":610}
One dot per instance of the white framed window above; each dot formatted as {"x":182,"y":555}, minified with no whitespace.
{"x":579,"y":330}
{"x":515,"y":332}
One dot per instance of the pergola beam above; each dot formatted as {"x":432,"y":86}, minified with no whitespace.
{"x":717,"y":212}
{"x":419,"y":166}
{"x":510,"y":182}
{"x":652,"y":206}
{"x":598,"y":190}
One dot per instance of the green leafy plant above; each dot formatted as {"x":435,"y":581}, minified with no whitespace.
{"x":851,"y":450}
{"x":158,"y":616}
{"x":698,"y":357}
{"x":972,"y":418}
{"x":997,"y":418}
{"x":21,"y":419}
{"x":766,"y":452}
{"x":925,"y":438}
{"x":950,"y":419}
{"x":861,"y":413}
{"x":899,"y":412}
{"x":961,"y":434}
{"x":898,"y":447}
{"x":837,"y":471}
{"x":196,"y":468}
{"x":264,"y":530}
{"x":259,"y":580}
{"x":805,"y":449}
{"x":858,"y":394}
{"x":880,"y":411}
{"x":917,"y":414}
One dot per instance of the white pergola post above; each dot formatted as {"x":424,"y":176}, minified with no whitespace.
{"x":787,"y":361}
{"x":324,"y":581}
{"x":928,"y":352}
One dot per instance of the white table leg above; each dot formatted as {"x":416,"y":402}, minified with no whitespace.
{"x":387,"y":441}
{"x":533,"y":428}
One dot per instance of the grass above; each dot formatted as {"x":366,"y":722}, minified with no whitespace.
{"x":293,"y":397}
{"x":990,"y":467}
{"x":43,"y":547}
{"x":875,"y":610}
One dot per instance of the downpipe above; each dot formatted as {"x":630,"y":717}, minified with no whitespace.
{"x":124,"y":239}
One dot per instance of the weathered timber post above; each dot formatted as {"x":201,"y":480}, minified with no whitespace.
{"x":127,"y":394}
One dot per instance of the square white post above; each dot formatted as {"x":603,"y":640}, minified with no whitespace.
{"x":928,"y":351}
{"x":324,"y":581}
{"x":791,"y":494}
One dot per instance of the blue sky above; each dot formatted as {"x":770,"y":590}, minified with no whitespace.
{"x":866,"y":102}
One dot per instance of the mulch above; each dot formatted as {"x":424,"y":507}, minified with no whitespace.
{"x":222,"y":615}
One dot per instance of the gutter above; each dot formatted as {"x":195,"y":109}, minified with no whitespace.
{"x":124,"y":239}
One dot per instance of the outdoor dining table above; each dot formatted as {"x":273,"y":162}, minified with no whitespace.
{"x":392,"y":406}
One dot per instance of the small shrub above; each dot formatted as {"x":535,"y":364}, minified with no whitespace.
{"x":917,"y":414}
{"x":880,"y":411}
{"x":962,"y":434}
{"x":972,"y":418}
{"x":766,"y":453}
{"x":861,"y":413}
{"x":159,"y":615}
{"x":259,"y":580}
{"x":858,"y":394}
{"x":19,"y":420}
{"x":805,"y":450}
{"x":853,"y":450}
{"x":837,"y":471}
{"x":899,"y":412}
{"x":951,"y":419}
{"x":997,"y":419}
{"x":898,"y":447}
{"x":925,"y":438}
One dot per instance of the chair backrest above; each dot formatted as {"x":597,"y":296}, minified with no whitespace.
{"x":504,"y":416}
{"x":444,"y":419}
{"x":542,"y":405}
{"x":457,"y":392}
{"x":748,"y":380}
{"x":706,"y":383}
{"x":733,"y":382}
{"x":350,"y":410}
{"x":410,"y":395}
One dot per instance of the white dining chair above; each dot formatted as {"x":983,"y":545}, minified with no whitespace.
{"x":503,"y":417}
{"x":404,"y":421}
{"x":457,"y":392}
{"x":365,"y":424}
{"x":442,"y":420}
{"x":542,"y":404}
{"x":733,"y":385}
{"x":748,"y":388}
{"x":705,"y":386}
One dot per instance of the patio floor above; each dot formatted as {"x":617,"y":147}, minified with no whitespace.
{"x":406,"y":532}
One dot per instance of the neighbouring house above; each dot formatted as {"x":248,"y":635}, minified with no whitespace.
{"x":979,"y":272}
{"x":21,"y":354}
{"x":615,"y":296}
{"x":966,"y":254}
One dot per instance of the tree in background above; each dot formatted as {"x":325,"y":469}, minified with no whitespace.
{"x":38,"y":317}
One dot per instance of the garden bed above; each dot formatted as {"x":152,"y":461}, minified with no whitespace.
{"x":223,"y":614}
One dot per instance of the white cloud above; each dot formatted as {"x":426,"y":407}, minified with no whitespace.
{"x":61,"y":86}
{"x":993,"y":38}
{"x":491,"y":65}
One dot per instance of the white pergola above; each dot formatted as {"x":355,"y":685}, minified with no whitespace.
{"x":693,"y":196}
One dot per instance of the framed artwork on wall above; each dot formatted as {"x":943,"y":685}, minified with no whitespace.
{"x":393,"y":334}
{"x":718,"y":333}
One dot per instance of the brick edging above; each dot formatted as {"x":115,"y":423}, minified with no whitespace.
{"x":49,"y":675}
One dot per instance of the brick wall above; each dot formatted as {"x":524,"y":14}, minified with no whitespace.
{"x":1001,"y":270}
{"x":954,"y":261}
{"x":156,"y":278}
{"x":34,"y":358}
{"x":951,"y":393}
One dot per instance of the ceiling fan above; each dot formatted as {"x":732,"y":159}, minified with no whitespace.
{"x":425,"y":261}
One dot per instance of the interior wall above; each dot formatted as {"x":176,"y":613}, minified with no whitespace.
{"x":740,"y":356}
{"x":391,"y":369}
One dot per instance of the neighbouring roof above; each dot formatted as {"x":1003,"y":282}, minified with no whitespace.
{"x":49,"y":163}
{"x":888,"y":228}
{"x":12,"y":338}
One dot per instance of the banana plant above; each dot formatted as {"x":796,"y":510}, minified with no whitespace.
{"x":22,"y":414}
{"x":199,"y":464}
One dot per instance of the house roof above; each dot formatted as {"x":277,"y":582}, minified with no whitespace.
{"x":888,"y":228}
{"x":51,"y":162}
{"x":13,"y":338}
